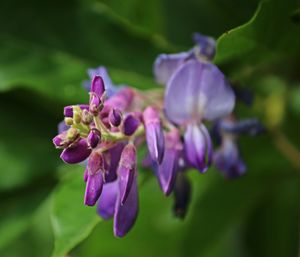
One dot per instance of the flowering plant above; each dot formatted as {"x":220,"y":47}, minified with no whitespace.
{"x":106,"y":133}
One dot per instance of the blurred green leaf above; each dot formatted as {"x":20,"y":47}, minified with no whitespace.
{"x":224,"y":204}
{"x":269,"y":34}
{"x":273,"y":229}
{"x":26,"y":150}
{"x":72,"y":221}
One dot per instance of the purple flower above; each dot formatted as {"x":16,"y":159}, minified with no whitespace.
{"x":166,"y":172}
{"x":227,"y":159}
{"x":110,"y":88}
{"x":76,"y":153}
{"x":154,"y":134}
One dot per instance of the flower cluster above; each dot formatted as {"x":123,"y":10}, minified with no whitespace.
{"x":105,"y":133}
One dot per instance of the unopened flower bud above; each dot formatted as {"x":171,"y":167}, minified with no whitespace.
{"x":86,"y":117}
{"x":72,"y":133}
{"x":126,"y":170}
{"x":95,"y":104}
{"x":69,"y":121}
{"x":115,"y":117}
{"x":94,"y":138}
{"x":182,"y":194}
{"x":130,"y":124}
{"x":76,"y":117}
{"x":68,"y":110}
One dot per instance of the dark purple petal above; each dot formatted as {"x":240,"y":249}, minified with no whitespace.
{"x":107,"y":201}
{"x":130,"y":124}
{"x":110,"y":88}
{"x":182,"y":195}
{"x":97,"y":86}
{"x":93,"y":188}
{"x":154,"y":134}
{"x":112,"y":158}
{"x":125,"y":215}
{"x":198,"y":91}
{"x":195,"y":147}
{"x":95,"y":104}
{"x":166,"y":64}
{"x":76,"y":153}
{"x":167,"y":170}
{"x":207,"y":45}
{"x":126,"y":171}
{"x":115,"y":117}
{"x":68,"y":110}
{"x":94,"y":138}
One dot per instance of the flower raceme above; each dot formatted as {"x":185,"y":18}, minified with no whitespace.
{"x":105,"y":133}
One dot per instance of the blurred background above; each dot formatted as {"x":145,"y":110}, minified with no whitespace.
{"x":46,"y":48}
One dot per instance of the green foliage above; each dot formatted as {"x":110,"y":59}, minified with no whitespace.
{"x":45,"y":50}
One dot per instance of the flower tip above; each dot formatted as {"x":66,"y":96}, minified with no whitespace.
{"x":97,"y":85}
{"x":76,"y":153}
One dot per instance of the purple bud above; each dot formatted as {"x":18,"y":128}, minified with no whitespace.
{"x":58,"y":141}
{"x":166,"y":172}
{"x":94,"y":138}
{"x":182,"y":195}
{"x":125,"y":215}
{"x":95,"y":104}
{"x":97,"y":86}
{"x":154,"y":134}
{"x":107,"y":200}
{"x":93,"y":189}
{"x":198,"y":147}
{"x":115,"y":117}
{"x":68,"y":110}
{"x":130,"y":124}
{"x":76,"y":153}
{"x":95,"y":171}
{"x":126,"y":171}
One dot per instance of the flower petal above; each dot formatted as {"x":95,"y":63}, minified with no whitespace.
{"x":107,"y":200}
{"x":154,"y":134}
{"x":93,"y":188}
{"x":76,"y":153}
{"x":167,"y":170}
{"x":97,"y":86}
{"x":126,"y":171}
{"x":125,"y":215}
{"x":207,"y":45}
{"x":198,"y":90}
{"x":195,"y":147}
{"x":166,"y":64}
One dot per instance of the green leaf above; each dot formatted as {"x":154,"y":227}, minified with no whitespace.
{"x":269,"y":34}
{"x":223,"y":205}
{"x":72,"y":221}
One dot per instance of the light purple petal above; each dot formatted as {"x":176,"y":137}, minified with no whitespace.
{"x":122,"y":99}
{"x":166,"y":64}
{"x":107,"y":201}
{"x":195,"y":147}
{"x":93,"y":188}
{"x":198,"y":91}
{"x":77,"y":153}
{"x":125,"y":215}
{"x":62,"y":127}
{"x":154,"y":134}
